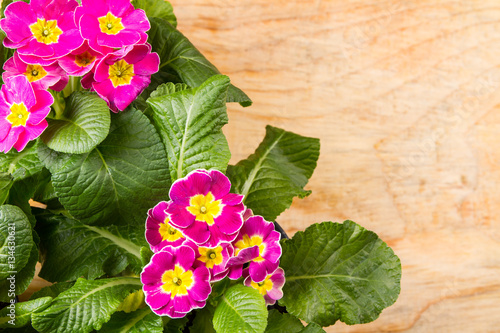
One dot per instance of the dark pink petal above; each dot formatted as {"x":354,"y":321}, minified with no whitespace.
{"x":35,"y":60}
{"x":247,"y":214}
{"x":220,"y":185}
{"x":258,"y":270}
{"x":20,"y":90}
{"x":272,"y":251}
{"x":89,"y":27}
{"x":156,"y":297}
{"x":198,"y":232}
{"x":230,"y":220}
{"x":194,"y":183}
{"x":35,"y":48}
{"x":219,"y":276}
{"x":14,"y":45}
{"x":244,"y":256}
{"x":217,"y":237}
{"x":136,"y":54}
{"x":18,"y":17}
{"x":123,"y":38}
{"x":22,"y":141}
{"x":87,"y":80}
{"x":11,"y":139}
{"x":256,"y":225}
{"x":235,"y":272}
{"x":137,"y":21}
{"x":278,"y":277}
{"x":232,"y":199}
{"x":179,"y":216}
{"x":168,"y":310}
{"x":61,"y":83}
{"x":201,"y":284}
{"x":41,"y":109}
{"x":185,"y":257}
{"x":149,"y":65}
{"x":124,"y":95}
{"x":104,"y":89}
{"x":68,"y":42}
{"x":120,"y":7}
{"x":97,"y":8}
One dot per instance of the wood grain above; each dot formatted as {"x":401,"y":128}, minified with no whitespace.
{"x":405,"y":98}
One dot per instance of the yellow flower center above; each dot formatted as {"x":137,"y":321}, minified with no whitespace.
{"x":35,"y":73}
{"x":247,"y":242}
{"x":84,"y":59}
{"x":211,"y":257}
{"x":169,"y":233}
{"x":18,"y":115}
{"x":205,"y":208}
{"x":177,"y":281}
{"x":110,"y":24}
{"x":121,"y":73}
{"x":46,"y":32}
{"x":264,"y":286}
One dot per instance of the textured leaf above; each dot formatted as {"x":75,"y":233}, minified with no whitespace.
{"x":277,"y":171}
{"x":139,"y":321}
{"x":203,"y":320}
{"x":339,"y":271}
{"x":282,"y":323}
{"x":21,"y":192}
{"x":84,"y":125}
{"x":23,"y":277}
{"x":6,"y":182}
{"x":132,"y":302}
{"x":85,"y":306}
{"x":189,"y":123}
{"x":242,"y":309}
{"x":16,"y":240}
{"x":53,"y":290}
{"x":168,"y":89}
{"x":177,"y":53}
{"x":157,"y":8}
{"x":22,"y":164}
{"x":23,"y":312}
{"x":118,"y":181}
{"x":312,"y":328}
{"x":74,"y":249}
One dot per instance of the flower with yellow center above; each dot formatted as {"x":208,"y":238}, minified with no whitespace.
{"x":46,"y":32}
{"x":110,"y":24}
{"x":211,"y":257}
{"x":35,"y":73}
{"x":264,"y":286}
{"x":84,"y":59}
{"x":205,"y":208}
{"x":247,"y":242}
{"x":121,"y":73}
{"x":18,"y":115}
{"x":169,"y":233}
{"x":177,"y":281}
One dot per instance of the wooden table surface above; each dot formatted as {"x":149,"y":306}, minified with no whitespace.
{"x":405,"y":98}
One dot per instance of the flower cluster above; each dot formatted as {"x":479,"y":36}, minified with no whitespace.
{"x":102,"y":41}
{"x":202,"y":235}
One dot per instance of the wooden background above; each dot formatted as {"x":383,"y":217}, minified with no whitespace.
{"x":405,"y":98}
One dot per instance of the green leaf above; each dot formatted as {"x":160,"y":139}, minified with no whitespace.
{"x":168,"y":89}
{"x":312,"y":328}
{"x":339,"y":271}
{"x":22,"y":312}
{"x":143,"y":320}
{"x":22,"y":164}
{"x":73,"y":249}
{"x":157,"y":8}
{"x":23,"y":277}
{"x":242,"y":309}
{"x":282,"y":323}
{"x":118,"y":181}
{"x":85,"y":306}
{"x":6,"y":182}
{"x":132,"y":302}
{"x":84,"y":125}
{"x":190,"y":123}
{"x":174,"y":325}
{"x":16,"y":240}
{"x":203,"y":320}
{"x":21,"y":192}
{"x":53,"y":290}
{"x":177,"y":53}
{"x":277,"y":171}
{"x":146,"y":255}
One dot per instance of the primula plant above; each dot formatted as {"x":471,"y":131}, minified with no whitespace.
{"x":114,"y":176}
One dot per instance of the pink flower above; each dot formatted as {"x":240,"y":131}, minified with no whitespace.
{"x":42,"y":31}
{"x":214,"y":259}
{"x":257,"y":243}
{"x":112,"y":23}
{"x":41,"y":77}
{"x":82,"y":60}
{"x":203,"y":208}
{"x":121,"y":76}
{"x":22,"y":112}
{"x":270,"y":287}
{"x":159,"y":232}
{"x":172,"y":286}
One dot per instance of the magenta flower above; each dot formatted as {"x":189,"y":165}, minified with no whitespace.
{"x":121,"y":76}
{"x":172,"y":286}
{"x":203,"y":208}
{"x":112,"y":23}
{"x":41,"y":77}
{"x":159,"y":231}
{"x":42,"y":30}
{"x":82,"y":60}
{"x":214,"y":259}
{"x":22,"y":112}
{"x":259,"y":244}
{"x":270,"y":287}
